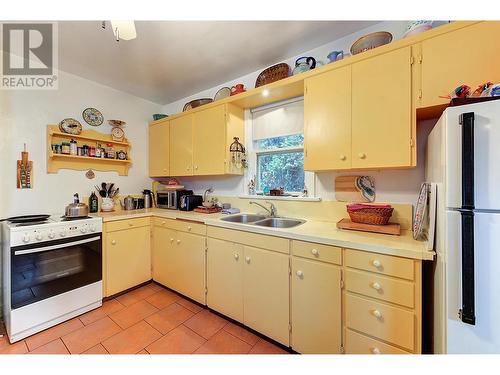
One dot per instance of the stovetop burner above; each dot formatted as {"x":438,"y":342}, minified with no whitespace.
{"x":32,"y":223}
{"x":65,"y":218}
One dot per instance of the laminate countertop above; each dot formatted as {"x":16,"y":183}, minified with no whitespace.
{"x":323,"y":232}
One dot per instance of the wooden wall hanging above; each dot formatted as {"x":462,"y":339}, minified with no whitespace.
{"x":24,"y":171}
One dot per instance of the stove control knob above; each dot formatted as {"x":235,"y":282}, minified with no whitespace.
{"x":83,"y":230}
{"x":26,"y":238}
{"x":62,"y":233}
{"x":39,"y":237}
{"x":51,"y":234}
{"x":92,"y":228}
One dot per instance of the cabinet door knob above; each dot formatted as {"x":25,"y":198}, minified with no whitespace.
{"x":247,"y":259}
{"x":362,"y":155}
{"x":376,"y":263}
{"x":315,"y":252}
{"x":342,"y":157}
{"x":178,"y":242}
{"x":189,"y":229}
{"x":377,"y":314}
{"x":375,"y":350}
{"x":299,"y":273}
{"x":196,"y":167}
{"x":130,"y":224}
{"x":113,"y":242}
{"x":164,"y":169}
{"x":236,"y":256}
{"x":163,"y":222}
{"x":376,"y":286}
{"x":171,"y":240}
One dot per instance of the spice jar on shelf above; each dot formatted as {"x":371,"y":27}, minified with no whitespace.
{"x":110,"y":152}
{"x":72,"y":147}
{"x":65,"y":148}
{"x":98,"y":150}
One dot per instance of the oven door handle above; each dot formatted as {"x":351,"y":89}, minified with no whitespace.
{"x":58,"y":246}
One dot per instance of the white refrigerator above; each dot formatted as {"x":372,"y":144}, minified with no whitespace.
{"x":463,"y":159}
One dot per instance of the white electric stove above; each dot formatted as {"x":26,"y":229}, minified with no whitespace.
{"x":52,"y":272}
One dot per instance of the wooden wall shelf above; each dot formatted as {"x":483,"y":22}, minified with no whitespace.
{"x":90,"y":137}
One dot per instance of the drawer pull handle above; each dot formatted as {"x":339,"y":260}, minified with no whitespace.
{"x":376,"y":286}
{"x":376,"y":263}
{"x":342,"y":157}
{"x":163,"y":222}
{"x":247,"y":259}
{"x":113,"y":242}
{"x":315,"y":252}
{"x":362,"y":155}
{"x":375,"y":350}
{"x":189,"y":229}
{"x":171,"y":240}
{"x":178,"y":242}
{"x":377,"y":314}
{"x":300,"y":273}
{"x":236,"y":256}
{"x":130,"y":224}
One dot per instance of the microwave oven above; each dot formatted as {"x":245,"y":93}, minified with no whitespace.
{"x":170,"y":198}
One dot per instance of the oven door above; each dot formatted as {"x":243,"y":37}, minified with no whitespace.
{"x":44,"y":270}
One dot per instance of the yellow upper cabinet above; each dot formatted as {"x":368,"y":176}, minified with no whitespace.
{"x":199,"y":142}
{"x":327,"y":120}
{"x":159,"y":144}
{"x":209,"y":141}
{"x":381,"y":111}
{"x":469,"y":56}
{"x":181,"y":146}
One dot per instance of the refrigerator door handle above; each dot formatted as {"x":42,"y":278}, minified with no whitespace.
{"x":467,"y":312}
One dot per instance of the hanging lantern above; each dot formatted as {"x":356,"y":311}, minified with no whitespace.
{"x":238,"y":155}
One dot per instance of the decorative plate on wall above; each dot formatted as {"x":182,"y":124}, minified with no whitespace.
{"x":70,"y":126}
{"x":93,"y":116}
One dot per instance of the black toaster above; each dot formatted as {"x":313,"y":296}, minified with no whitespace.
{"x":190,"y":202}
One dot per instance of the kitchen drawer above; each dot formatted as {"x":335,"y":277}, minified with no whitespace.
{"x":401,"y":292}
{"x":262,"y":241}
{"x":112,"y":226}
{"x":380,"y":320}
{"x":325,"y":253}
{"x":181,"y":225}
{"x":356,"y":343}
{"x":384,"y":264}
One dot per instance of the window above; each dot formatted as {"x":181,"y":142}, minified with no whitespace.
{"x":277,"y":153}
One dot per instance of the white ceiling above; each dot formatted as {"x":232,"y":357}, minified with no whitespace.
{"x":170,"y":60}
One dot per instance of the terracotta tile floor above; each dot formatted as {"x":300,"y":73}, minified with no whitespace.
{"x":147,"y":320}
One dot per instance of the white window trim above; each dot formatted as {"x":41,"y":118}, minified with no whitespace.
{"x":309,"y":177}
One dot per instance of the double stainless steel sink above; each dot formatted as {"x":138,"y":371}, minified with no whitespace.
{"x":264,"y":221}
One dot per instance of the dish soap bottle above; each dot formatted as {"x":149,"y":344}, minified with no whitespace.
{"x":93,"y":203}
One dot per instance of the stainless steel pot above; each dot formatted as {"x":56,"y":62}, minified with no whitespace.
{"x":76,"y":209}
{"x":128,"y":203}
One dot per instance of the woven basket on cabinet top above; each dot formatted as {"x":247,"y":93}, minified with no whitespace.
{"x":374,"y":216}
{"x":273,"y":74}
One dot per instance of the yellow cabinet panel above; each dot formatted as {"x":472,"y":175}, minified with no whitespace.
{"x":381,"y":111}
{"x":327,"y":120}
{"x":466,"y":56}
{"x":316,"y":307}
{"x":163,"y":261}
{"x":159,"y":144}
{"x":181,"y":146}
{"x":209,"y":141}
{"x":128,"y":259}
{"x":225,"y":278}
{"x":189,"y":259}
{"x":266,"y":289}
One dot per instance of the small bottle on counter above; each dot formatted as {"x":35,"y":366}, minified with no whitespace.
{"x":65,"y":148}
{"x":93,"y":203}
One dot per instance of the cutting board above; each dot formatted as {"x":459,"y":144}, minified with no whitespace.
{"x":206,"y":210}
{"x":347,"y":189}
{"x":390,"y":228}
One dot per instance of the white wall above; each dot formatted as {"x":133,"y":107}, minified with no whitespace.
{"x":24,"y":116}
{"x":398,"y":186}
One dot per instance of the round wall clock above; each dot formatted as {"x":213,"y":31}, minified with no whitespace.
{"x":117,"y":134}
{"x":93,"y":116}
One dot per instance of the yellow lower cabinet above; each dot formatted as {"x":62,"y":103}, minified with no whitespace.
{"x":188,"y":256}
{"x":127,"y":259}
{"x":316,"y":307}
{"x":163,"y":261}
{"x":266,"y":293}
{"x":225,"y":278}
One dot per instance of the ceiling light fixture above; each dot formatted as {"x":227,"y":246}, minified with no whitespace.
{"x":122,"y":29}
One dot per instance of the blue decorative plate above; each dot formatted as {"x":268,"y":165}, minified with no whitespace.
{"x":93,"y":117}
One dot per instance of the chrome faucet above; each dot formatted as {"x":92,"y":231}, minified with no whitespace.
{"x":273,"y":212}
